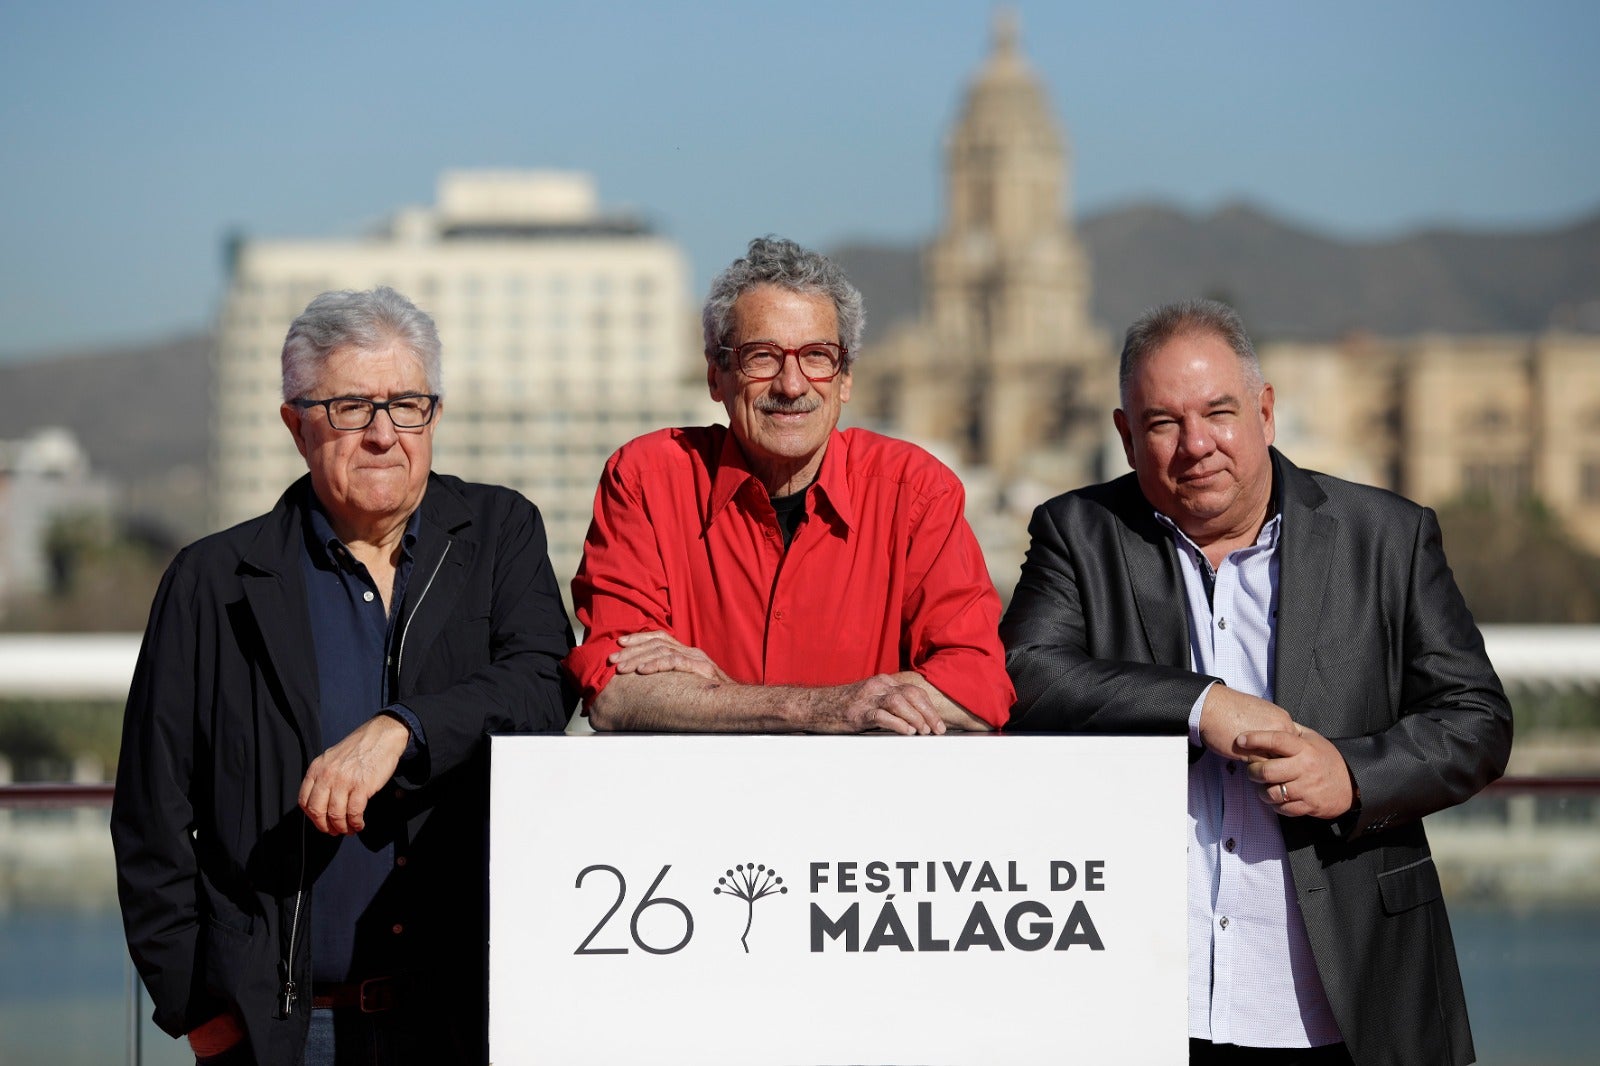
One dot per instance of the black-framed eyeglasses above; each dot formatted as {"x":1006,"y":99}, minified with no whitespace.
{"x":411,"y":411}
{"x":763,"y":360}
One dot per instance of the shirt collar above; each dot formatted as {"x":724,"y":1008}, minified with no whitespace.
{"x":328,"y":550}
{"x":733,"y":474}
{"x":1270,"y":529}
{"x":1267,"y":538}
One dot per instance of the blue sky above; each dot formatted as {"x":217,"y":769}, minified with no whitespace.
{"x":134,"y":137}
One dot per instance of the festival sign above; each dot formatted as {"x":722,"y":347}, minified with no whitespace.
{"x":831,"y":900}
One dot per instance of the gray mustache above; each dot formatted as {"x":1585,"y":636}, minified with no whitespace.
{"x":799,"y":405}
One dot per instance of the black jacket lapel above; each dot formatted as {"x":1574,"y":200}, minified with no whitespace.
{"x":275,"y":591}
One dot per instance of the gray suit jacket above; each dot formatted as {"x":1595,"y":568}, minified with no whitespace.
{"x":1376,"y":650}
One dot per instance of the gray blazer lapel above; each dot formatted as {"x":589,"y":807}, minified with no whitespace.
{"x":1305,"y":562}
{"x":1152,"y":561}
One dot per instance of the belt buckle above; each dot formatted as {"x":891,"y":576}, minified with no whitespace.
{"x":376,"y":995}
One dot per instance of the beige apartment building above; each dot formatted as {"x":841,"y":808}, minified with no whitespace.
{"x":1443,"y":418}
{"x":566,"y":332}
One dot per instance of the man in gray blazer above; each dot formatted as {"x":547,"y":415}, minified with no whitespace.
{"x":1307,"y":634}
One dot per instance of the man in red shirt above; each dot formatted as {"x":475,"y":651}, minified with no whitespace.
{"x":777,"y":574}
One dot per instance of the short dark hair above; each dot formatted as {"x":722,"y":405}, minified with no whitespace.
{"x":1158,"y":325}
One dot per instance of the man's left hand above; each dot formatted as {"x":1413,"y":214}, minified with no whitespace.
{"x":342,"y":779}
{"x":655,"y":652}
{"x":1301,"y":772}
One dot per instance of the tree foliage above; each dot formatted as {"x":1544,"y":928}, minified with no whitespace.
{"x":103,"y":575}
{"x":1518,"y":565}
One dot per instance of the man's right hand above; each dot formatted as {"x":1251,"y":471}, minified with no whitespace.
{"x":1228,"y":712}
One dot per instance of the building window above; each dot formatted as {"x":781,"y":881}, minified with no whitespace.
{"x":1589,"y":482}
{"x":1502,"y":482}
{"x":1488,"y":419}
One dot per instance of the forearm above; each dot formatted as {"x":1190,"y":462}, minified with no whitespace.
{"x":690,"y":701}
{"x":676,"y":702}
{"x":522,"y":693}
{"x":1063,"y":690}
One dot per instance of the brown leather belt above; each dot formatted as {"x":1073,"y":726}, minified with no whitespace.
{"x":372,"y":996}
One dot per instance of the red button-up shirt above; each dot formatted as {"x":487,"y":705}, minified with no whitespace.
{"x":883,"y":575}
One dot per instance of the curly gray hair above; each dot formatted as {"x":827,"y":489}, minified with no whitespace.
{"x":775,"y":261}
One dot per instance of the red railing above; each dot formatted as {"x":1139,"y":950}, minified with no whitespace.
{"x":55,"y":794}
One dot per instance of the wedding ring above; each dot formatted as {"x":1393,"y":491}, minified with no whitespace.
{"x":1283,"y":792}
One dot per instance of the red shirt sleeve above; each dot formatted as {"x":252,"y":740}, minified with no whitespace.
{"x":952,"y":611}
{"x":620,"y":587}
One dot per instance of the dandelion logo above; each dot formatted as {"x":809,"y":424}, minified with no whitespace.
{"x":749,"y":882}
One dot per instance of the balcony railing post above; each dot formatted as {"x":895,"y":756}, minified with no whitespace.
{"x":134,"y":997}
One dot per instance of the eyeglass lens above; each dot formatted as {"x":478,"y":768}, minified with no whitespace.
{"x":766,"y":360}
{"x":407,"y":412}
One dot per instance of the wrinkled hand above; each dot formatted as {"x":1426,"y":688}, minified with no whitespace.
{"x":879,"y":702}
{"x":342,"y":779}
{"x":1228,"y":713}
{"x":1301,"y":772}
{"x":654,"y":652}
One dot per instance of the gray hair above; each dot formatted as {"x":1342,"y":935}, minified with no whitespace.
{"x":367,"y":321}
{"x":1161,"y":324}
{"x":775,"y":261}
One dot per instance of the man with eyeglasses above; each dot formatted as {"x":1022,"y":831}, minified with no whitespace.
{"x":301,"y":793}
{"x":777,"y":573}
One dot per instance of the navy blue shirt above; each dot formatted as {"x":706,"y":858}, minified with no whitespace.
{"x":354,"y":638}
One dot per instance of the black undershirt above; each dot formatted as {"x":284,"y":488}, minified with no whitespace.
{"x":791,"y":511}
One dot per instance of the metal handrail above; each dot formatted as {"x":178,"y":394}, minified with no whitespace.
{"x":71,"y":794}
{"x":56,"y":794}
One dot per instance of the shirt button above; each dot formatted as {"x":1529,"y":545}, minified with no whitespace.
{"x":1223,"y":921}
{"x":400,"y":860}
{"x":1233,"y":767}
{"x":399,"y":793}
{"x":397,"y":928}
{"x":778,"y":615}
{"x":1226,"y":847}
{"x":367,"y":595}
{"x":1222,"y":623}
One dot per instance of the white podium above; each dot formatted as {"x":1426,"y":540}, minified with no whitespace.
{"x":804,"y":900}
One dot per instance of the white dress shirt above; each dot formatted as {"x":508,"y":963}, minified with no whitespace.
{"x":1252,"y":980}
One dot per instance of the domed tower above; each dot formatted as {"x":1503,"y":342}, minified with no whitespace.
{"x":1007,"y":285}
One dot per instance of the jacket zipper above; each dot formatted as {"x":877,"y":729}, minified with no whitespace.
{"x":287,"y":995}
{"x":405,"y":630}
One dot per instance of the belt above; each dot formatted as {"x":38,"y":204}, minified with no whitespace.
{"x":372,"y":996}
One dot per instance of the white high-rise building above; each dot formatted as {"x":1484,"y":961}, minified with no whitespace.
{"x":566,"y":332}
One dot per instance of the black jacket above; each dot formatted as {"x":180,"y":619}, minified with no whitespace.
{"x":215,"y":861}
{"x":1376,"y":650}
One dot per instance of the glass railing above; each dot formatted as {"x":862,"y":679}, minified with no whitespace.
{"x":1520,"y":863}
